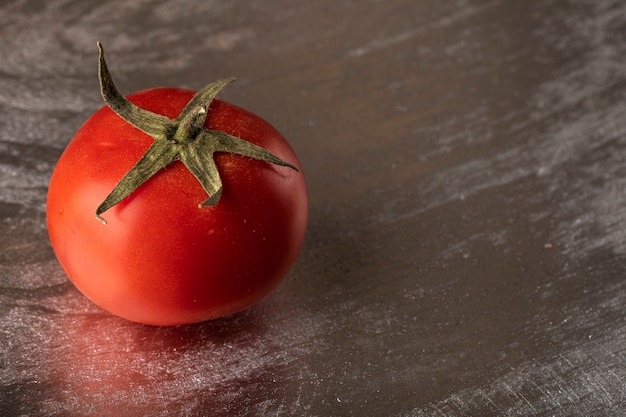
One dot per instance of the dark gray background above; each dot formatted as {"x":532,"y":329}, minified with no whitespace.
{"x":467,"y":242}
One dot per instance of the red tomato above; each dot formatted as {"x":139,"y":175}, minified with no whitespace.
{"x":161,"y":259}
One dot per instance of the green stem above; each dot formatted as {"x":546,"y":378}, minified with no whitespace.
{"x":183,"y":138}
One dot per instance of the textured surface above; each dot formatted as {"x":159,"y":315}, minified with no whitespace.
{"x":467,"y":244}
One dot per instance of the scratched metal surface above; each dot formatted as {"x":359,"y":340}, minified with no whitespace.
{"x":466,"y":252}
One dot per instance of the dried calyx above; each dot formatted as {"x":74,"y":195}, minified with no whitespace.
{"x":183,"y":138}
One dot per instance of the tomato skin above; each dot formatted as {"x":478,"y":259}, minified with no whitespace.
{"x":162,"y":259}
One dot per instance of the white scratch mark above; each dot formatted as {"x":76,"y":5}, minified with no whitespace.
{"x":381,"y":43}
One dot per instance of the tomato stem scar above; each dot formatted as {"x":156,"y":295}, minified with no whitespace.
{"x":183,"y":138}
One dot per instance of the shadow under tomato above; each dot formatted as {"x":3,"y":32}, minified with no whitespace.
{"x":106,"y":365}
{"x":218,"y":332}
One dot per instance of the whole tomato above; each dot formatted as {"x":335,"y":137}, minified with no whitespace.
{"x":159,"y":256}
